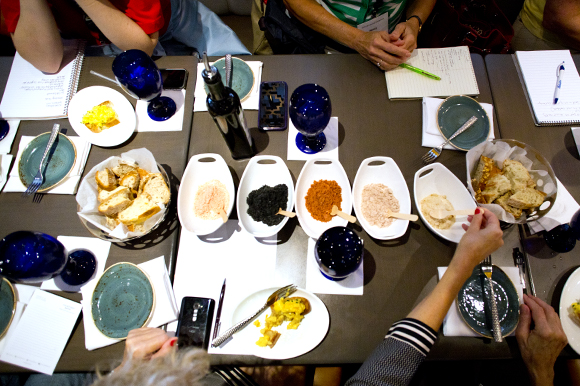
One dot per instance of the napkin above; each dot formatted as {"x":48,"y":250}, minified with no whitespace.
{"x":175,"y":123}
{"x":70,"y":183}
{"x":431,"y":135}
{"x":100,"y":249}
{"x":251,"y":103}
{"x":5,"y":161}
{"x":6,"y":143}
{"x":23,"y":295}
{"x":165,"y":309}
{"x":329,"y":151}
{"x":564,"y":208}
{"x":454,"y":325}
{"x":315,"y":282}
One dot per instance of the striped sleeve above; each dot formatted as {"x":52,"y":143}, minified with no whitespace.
{"x":415,"y":333}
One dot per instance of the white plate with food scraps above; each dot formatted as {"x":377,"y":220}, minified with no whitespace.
{"x":437,"y":179}
{"x":263,"y":170}
{"x":89,"y":97}
{"x":315,"y":170}
{"x":292,"y":343}
{"x":203,"y":168}
{"x":382,"y":170}
{"x":570,"y":323}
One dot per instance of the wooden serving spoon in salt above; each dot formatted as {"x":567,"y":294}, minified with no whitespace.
{"x":286,"y":213}
{"x":442,"y":213}
{"x":402,"y":216}
{"x":223,"y":215}
{"x":347,"y":217}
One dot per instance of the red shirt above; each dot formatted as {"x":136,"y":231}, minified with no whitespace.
{"x":150,"y":15}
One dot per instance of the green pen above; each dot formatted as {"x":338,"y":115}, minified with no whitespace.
{"x":419,"y":71}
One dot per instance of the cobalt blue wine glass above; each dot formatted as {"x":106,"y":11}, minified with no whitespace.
{"x":139,"y":76}
{"x":4,"y":129}
{"x":339,"y":252}
{"x":563,"y":237}
{"x":310,"y":111}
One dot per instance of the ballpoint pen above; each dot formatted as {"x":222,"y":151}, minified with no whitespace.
{"x":419,"y":71}
{"x":217,"y":324}
{"x":559,"y":74}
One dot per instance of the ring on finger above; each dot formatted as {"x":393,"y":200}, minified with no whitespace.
{"x":379,"y":64}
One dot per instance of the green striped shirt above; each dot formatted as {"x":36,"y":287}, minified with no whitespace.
{"x":355,"y":12}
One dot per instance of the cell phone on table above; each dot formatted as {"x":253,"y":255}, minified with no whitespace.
{"x":174,"y":78}
{"x":273,"y":110}
{"x":195,"y":321}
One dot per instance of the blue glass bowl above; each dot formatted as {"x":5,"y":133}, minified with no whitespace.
{"x":575,"y":224}
{"x":339,"y":252}
{"x":561,"y":239}
{"x":138,"y":74}
{"x":4,"y":129}
{"x":310,"y":110}
{"x":31,"y":257}
{"x":80,"y":267}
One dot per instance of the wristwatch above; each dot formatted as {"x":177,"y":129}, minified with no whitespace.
{"x":418,"y":19}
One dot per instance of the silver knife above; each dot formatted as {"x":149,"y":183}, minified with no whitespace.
{"x":229,"y":70}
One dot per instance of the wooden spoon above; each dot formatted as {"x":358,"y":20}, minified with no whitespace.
{"x":442,"y":213}
{"x":347,"y":217}
{"x":402,"y":216}
{"x":286,"y":213}
{"x":223,"y":215}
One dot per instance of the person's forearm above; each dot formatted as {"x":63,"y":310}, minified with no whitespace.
{"x":36,"y":37}
{"x":562,"y":17}
{"x":118,"y":27}
{"x":421,"y":8}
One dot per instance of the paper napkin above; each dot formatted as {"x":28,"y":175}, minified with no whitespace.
{"x":253,"y":101}
{"x":165,"y":309}
{"x":6,"y":143}
{"x":100,"y":249}
{"x":70,"y":183}
{"x":454,"y":325}
{"x":5,"y":161}
{"x":564,"y":208}
{"x":175,"y":123}
{"x":431,"y":135}
{"x":329,"y":151}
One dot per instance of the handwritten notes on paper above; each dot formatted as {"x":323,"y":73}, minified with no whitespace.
{"x":452,"y":64}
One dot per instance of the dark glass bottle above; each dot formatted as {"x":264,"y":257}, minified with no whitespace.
{"x":224,"y":105}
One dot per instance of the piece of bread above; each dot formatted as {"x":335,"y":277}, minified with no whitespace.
{"x":104,"y":194}
{"x":106,"y":179}
{"x":496,"y":186}
{"x":140,"y":210}
{"x":502,"y":201}
{"x":124,"y":168}
{"x":101,"y":117}
{"x":485,"y":170}
{"x":527,"y":198}
{"x":112,"y":222}
{"x":117,"y":201}
{"x":518,"y":175}
{"x":131,"y":180}
{"x":154,"y":185}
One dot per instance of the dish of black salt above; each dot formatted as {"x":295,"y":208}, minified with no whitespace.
{"x":264,"y":203}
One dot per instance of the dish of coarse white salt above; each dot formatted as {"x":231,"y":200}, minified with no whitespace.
{"x":316,"y":170}
{"x":203,"y":169}
{"x":437,"y":179}
{"x":382,"y":170}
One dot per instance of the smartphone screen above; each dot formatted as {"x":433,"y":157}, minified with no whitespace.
{"x":273,"y":114}
{"x":174,"y":78}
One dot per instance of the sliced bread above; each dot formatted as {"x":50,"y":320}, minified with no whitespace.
{"x":131,"y":180}
{"x":518,"y":175}
{"x":117,"y":201}
{"x":526,"y":198}
{"x":496,"y":186}
{"x":154,"y":185}
{"x":502,"y":201}
{"x":140,"y":210}
{"x":106,"y":179}
{"x":123,"y":168}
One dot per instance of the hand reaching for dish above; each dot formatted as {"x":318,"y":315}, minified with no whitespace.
{"x":147,"y":343}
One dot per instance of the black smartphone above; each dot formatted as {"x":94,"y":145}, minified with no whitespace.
{"x":194,"y":324}
{"x":273,"y":110}
{"x":174,"y":78}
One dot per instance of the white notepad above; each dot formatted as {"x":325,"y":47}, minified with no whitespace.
{"x":453,"y":65}
{"x":538,"y":72}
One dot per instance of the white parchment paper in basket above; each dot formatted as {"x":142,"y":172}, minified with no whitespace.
{"x":88,"y":193}
{"x":499,"y":152}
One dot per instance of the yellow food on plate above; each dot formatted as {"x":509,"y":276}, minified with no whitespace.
{"x":576,"y":311}
{"x":101,"y":117}
{"x":286,"y":309}
{"x":435,"y":201}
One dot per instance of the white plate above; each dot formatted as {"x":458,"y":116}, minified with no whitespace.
{"x":440,"y":180}
{"x":291,"y":343}
{"x":314,"y":170}
{"x":201,"y":169}
{"x":571,"y":294}
{"x":263,"y":170}
{"x":389,"y":174}
{"x":89,"y":97}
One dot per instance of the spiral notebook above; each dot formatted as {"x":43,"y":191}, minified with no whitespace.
{"x":453,"y":65}
{"x":32,"y":94}
{"x":538,"y":74}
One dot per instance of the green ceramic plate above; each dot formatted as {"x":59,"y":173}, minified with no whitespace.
{"x":7,"y":306}
{"x":242,"y":77}
{"x":454,"y":112}
{"x":61,"y":161}
{"x":477,"y":313}
{"x":123,"y":300}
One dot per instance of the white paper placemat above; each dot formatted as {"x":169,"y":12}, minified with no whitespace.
{"x":175,"y":123}
{"x":329,"y":151}
{"x":5,"y":161}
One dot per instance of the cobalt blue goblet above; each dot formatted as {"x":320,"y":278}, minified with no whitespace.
{"x":80,"y":267}
{"x":561,"y":239}
{"x":139,"y":76}
{"x":339,"y":252}
{"x":310,"y":111}
{"x":4,"y":129}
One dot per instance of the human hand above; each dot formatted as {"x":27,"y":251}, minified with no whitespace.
{"x":379,"y":49}
{"x":405,"y":35}
{"x":540,"y":346}
{"x":147,"y":343}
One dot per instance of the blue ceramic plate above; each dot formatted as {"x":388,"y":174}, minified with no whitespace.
{"x":123,"y":300}
{"x":477,"y":313}
{"x":7,"y":306}
{"x":454,"y":112}
{"x":242,"y":77}
{"x":59,"y":164}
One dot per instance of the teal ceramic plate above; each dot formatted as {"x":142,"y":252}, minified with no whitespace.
{"x":454,"y":112}
{"x":61,"y":161}
{"x":242,"y":77}
{"x":477,"y":313}
{"x":7,"y":306}
{"x":123,"y":300}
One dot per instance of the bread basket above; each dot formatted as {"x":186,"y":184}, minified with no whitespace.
{"x":536,"y":164}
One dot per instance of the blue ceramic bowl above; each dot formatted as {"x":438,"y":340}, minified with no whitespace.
{"x":310,"y":109}
{"x":339,"y":252}
{"x":138,"y":74}
{"x":31,"y":257}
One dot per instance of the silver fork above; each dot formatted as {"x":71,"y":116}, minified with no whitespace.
{"x":487,"y":269}
{"x":278,"y":294}
{"x":436,"y":151}
{"x":39,"y":178}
